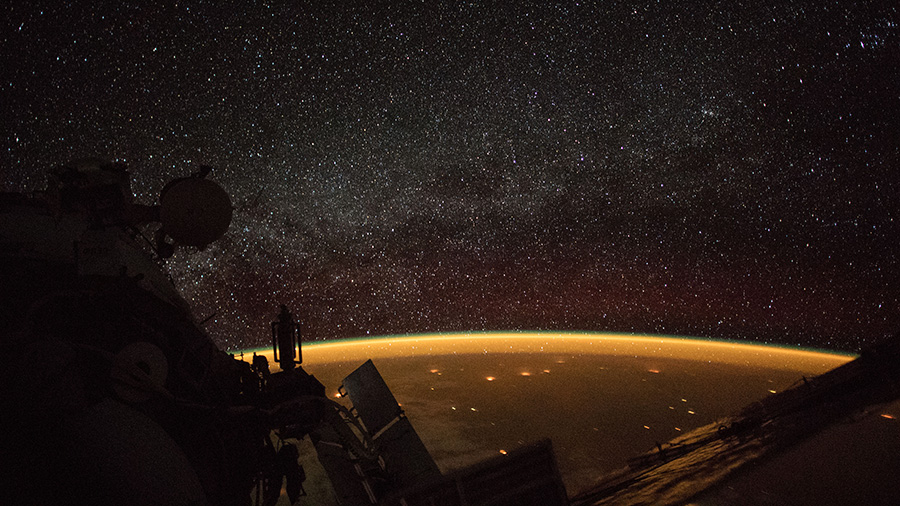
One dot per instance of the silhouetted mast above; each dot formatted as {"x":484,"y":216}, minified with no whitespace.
{"x":286,"y":340}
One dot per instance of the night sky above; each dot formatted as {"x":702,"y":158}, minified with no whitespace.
{"x":727,"y":171}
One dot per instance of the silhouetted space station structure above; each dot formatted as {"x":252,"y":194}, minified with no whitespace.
{"x":114,"y":394}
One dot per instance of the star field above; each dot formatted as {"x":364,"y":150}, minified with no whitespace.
{"x":719,"y":170}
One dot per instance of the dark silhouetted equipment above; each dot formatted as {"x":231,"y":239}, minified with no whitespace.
{"x":527,"y":476}
{"x":286,"y":340}
{"x":406,"y":460}
{"x":195,"y":211}
{"x":371,"y":397}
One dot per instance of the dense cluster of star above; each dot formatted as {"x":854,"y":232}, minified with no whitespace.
{"x":717,"y":170}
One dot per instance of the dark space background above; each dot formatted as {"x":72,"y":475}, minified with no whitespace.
{"x":726,"y":170}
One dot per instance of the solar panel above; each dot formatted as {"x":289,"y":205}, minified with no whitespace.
{"x":372,"y":399}
{"x":406,"y":460}
{"x":525,"y":477}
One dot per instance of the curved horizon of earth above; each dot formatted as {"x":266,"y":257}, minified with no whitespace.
{"x":600,"y":398}
{"x":599,"y":343}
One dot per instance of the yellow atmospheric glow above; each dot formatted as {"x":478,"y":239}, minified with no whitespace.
{"x":561,"y":343}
